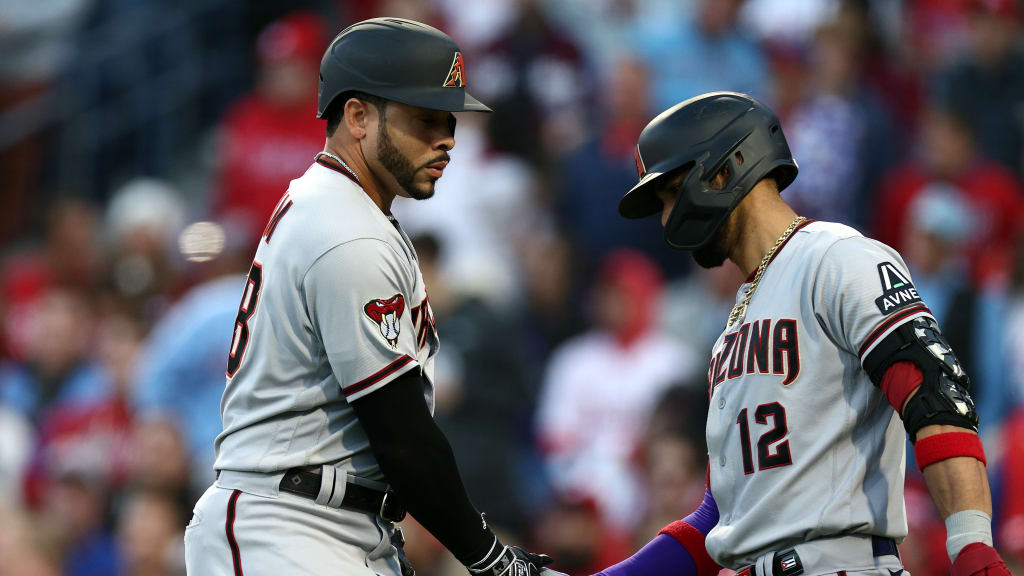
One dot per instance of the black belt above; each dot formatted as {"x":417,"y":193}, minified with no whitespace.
{"x":787,"y":562}
{"x":357,"y":497}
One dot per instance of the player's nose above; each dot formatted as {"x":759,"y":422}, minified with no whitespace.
{"x":445,"y":143}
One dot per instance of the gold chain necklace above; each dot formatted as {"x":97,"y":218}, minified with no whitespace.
{"x":740,"y":309}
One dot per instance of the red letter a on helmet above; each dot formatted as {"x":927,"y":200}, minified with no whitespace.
{"x":457,"y":73}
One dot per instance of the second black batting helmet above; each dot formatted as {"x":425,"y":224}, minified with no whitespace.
{"x":396,"y":59}
{"x":706,"y":133}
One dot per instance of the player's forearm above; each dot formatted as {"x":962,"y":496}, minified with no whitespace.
{"x":418,"y":462}
{"x":427,"y":479}
{"x":957,"y":483}
{"x":678,"y":550}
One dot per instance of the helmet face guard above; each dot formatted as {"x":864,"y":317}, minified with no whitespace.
{"x":708,"y":133}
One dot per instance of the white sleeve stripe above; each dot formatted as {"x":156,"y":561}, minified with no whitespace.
{"x":377,"y":376}
{"x":890,"y":324}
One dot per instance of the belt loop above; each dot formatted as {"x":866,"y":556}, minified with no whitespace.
{"x":327,"y":484}
{"x":340,"y":485}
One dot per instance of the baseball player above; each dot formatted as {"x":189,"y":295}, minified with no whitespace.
{"x":828,"y":358}
{"x":328,"y":431}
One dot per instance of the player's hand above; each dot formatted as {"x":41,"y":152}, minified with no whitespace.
{"x":979,"y":560}
{"x":511,"y":561}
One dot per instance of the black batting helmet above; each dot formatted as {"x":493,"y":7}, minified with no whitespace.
{"x":706,"y":133}
{"x":396,"y":59}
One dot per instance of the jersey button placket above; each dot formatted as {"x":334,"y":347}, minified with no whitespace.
{"x":721,"y":460}
{"x":721,"y":402}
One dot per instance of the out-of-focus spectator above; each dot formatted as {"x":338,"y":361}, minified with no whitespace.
{"x":475,"y":25}
{"x":71,"y":257}
{"x":578,"y":537}
{"x":703,"y":51}
{"x":75,"y":512}
{"x":600,"y":386}
{"x":16,"y":443}
{"x":23,"y":547}
{"x":481,"y":399}
{"x":484,"y":209}
{"x":791,"y":21}
{"x":605,"y":28}
{"x":150,"y":534}
{"x":693,"y":310}
{"x":36,"y":40}
{"x":986,"y":86}
{"x":992,"y":190}
{"x":534,"y":77}
{"x":786,"y":83}
{"x":1009,"y":508}
{"x":1010,"y":533}
{"x":88,"y":441}
{"x":181,"y":377}
{"x":57,"y":369}
{"x":839,"y":133}
{"x":142,"y":221}
{"x":598,"y":172}
{"x":674,"y":457}
{"x":941,"y":224}
{"x":160,"y":457}
{"x":552,"y":312}
{"x":936,"y":31}
{"x":270,"y":136}
{"x":924,"y":549}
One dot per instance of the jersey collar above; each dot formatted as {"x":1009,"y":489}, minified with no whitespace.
{"x":331,"y":164}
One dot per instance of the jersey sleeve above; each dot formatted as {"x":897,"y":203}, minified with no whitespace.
{"x":357,"y":298}
{"x":862,"y":292}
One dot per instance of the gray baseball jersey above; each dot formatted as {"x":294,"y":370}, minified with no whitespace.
{"x":334,"y":309}
{"x":802,"y":444}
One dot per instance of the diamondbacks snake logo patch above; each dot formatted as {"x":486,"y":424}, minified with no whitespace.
{"x":386,"y":314}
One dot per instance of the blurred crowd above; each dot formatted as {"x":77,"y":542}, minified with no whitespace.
{"x":144,"y":145}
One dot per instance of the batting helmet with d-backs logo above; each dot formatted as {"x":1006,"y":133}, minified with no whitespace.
{"x":396,"y":59}
{"x":706,"y":133}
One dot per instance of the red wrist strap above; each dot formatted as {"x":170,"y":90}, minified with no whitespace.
{"x":978,"y":558}
{"x":948,"y":445}
{"x":693,"y":541}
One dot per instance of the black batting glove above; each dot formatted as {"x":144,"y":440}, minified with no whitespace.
{"x":509,"y":561}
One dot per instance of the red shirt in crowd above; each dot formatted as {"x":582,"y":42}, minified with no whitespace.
{"x":992,"y":190}
{"x":265,"y":147}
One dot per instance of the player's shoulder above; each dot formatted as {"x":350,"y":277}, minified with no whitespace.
{"x":325,"y":211}
{"x":832,"y":241}
{"x":840,"y":253}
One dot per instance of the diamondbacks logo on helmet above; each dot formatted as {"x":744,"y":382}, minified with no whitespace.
{"x":640,"y":170}
{"x":457,"y":73}
{"x":387,"y":313}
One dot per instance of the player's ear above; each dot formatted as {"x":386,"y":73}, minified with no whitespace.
{"x":357,"y":117}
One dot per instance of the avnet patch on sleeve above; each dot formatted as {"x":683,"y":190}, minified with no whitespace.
{"x":897,"y":290}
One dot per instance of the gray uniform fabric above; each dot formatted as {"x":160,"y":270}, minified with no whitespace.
{"x":313,"y":346}
{"x":334,"y":309}
{"x":802,"y":444}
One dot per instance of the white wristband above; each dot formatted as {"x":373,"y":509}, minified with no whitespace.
{"x":967,"y":527}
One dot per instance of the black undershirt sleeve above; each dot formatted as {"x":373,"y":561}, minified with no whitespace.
{"x":418,"y":462}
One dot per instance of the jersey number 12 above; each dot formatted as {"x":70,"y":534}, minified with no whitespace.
{"x":770,"y":452}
